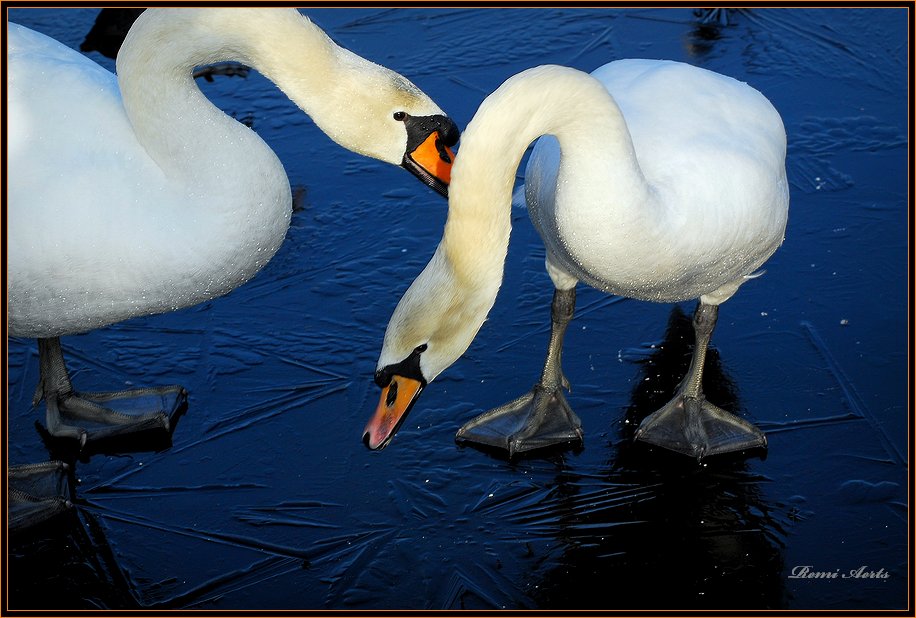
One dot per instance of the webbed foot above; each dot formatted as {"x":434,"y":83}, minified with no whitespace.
{"x":697,"y":428}
{"x":538,"y":419}
{"x":691,"y":425}
{"x":36,"y":493}
{"x":98,"y":416}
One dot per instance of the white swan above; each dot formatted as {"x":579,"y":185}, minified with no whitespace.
{"x":135,"y":195}
{"x":655,"y":180}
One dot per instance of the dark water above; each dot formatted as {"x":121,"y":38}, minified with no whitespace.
{"x":266,"y":497}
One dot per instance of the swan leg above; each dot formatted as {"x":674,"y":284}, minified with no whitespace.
{"x":541,"y":417}
{"x":691,"y":425}
{"x":97,"y":416}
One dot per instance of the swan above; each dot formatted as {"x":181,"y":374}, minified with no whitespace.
{"x":652,"y":179}
{"x":134,"y":195}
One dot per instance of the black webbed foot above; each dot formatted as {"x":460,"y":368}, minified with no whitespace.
{"x":538,"y":419}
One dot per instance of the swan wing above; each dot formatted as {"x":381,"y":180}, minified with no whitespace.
{"x":81,"y":190}
{"x":713,"y":151}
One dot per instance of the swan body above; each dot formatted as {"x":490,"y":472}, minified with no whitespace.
{"x":688,"y":231}
{"x":654,"y":180}
{"x":135,"y":195}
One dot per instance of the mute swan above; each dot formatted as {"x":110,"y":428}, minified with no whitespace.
{"x":655,"y":180}
{"x":135,"y":195}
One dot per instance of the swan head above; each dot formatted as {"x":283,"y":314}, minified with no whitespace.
{"x":379,"y":113}
{"x":366,"y":108}
{"x":428,"y":155}
{"x":432,"y":326}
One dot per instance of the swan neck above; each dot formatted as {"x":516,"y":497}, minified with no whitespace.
{"x":170,"y":115}
{"x":594,"y":141}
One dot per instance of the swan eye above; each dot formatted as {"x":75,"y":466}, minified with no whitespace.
{"x":420,"y":348}
{"x":400,"y":115}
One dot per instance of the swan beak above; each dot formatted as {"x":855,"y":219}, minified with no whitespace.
{"x":397,"y":399}
{"x":428,"y":154}
{"x":431,"y":162}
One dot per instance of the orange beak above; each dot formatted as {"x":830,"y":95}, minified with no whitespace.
{"x":432,"y":163}
{"x":397,"y":399}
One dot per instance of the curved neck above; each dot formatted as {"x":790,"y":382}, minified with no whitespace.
{"x":170,"y":116}
{"x":224,"y":181}
{"x":551,"y":100}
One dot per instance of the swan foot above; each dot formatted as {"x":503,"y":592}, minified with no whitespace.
{"x":100,"y":416}
{"x":37,"y":493}
{"x":538,"y":419}
{"x":693,"y":426}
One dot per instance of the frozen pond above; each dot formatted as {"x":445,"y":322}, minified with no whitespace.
{"x":267,"y":498}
